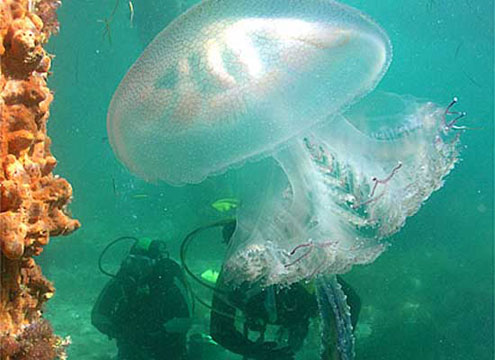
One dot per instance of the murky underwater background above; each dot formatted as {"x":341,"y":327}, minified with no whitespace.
{"x":430,"y":296}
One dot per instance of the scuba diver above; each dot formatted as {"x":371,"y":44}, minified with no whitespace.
{"x":289,"y":309}
{"x":144,"y":307}
{"x":275,"y":321}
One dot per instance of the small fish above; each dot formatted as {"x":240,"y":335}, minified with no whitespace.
{"x":140,"y":196}
{"x":458,"y":49}
{"x":227,"y":204}
{"x":131,"y":10}
{"x":210,"y":275}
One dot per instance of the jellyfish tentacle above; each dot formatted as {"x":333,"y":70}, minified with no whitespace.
{"x":311,"y":245}
{"x":306,"y":254}
{"x":453,"y":122}
{"x":368,"y":201}
{"x":376,"y":181}
{"x":386,"y":180}
{"x":451,"y":104}
{"x":300,"y":246}
{"x":460,"y":114}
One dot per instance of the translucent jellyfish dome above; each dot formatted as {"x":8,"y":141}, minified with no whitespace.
{"x":233,"y":80}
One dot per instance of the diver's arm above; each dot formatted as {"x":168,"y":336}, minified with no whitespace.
{"x":102,"y":312}
{"x":176,"y":302}
{"x":223,"y":331}
{"x":182,"y":321}
{"x":178,"y":325}
{"x":298,"y":333}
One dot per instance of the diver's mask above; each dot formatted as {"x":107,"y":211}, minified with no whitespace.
{"x":143,"y":257}
{"x":138,"y":267}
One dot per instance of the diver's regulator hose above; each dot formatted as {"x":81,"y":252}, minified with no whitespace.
{"x":109,"y":245}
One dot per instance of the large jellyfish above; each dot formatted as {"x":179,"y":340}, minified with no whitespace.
{"x":232,"y":81}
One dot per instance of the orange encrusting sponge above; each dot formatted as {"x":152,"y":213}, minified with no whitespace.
{"x":33,"y":201}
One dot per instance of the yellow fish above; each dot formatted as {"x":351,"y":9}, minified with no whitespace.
{"x":227,"y":204}
{"x":140,"y":196}
{"x":210,"y":275}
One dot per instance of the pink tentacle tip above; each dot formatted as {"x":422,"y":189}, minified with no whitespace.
{"x":377,"y":181}
{"x":300,"y":246}
{"x":452,"y":103}
{"x":293,"y":251}
{"x":459,"y":115}
{"x":311,"y":245}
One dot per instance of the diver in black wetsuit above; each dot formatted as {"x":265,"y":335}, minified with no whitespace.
{"x":290,"y":309}
{"x":144,"y":307}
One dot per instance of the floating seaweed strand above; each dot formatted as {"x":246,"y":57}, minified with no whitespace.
{"x":108,"y":20}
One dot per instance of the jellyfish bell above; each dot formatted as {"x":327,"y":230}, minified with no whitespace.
{"x":234,"y":80}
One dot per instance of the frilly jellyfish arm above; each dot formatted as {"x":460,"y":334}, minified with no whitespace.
{"x":352,"y":183}
{"x":335,"y":320}
{"x":232,"y":80}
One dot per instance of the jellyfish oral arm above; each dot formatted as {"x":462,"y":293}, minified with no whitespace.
{"x":384,"y":181}
{"x":320,"y":225}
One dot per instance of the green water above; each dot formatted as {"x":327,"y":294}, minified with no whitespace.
{"x":430,"y":296}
